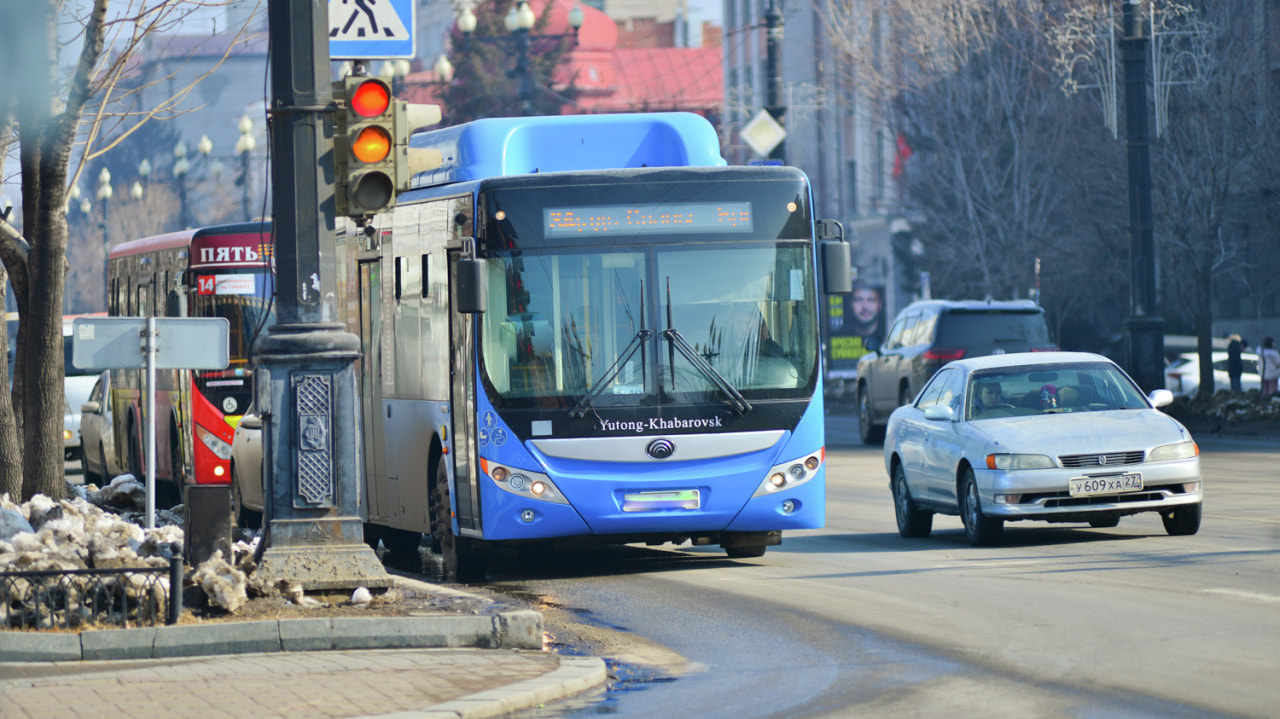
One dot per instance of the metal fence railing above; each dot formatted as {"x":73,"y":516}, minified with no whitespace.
{"x":78,"y":598}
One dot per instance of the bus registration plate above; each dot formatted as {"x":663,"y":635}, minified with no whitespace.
{"x":1109,"y":484}
{"x":657,"y":501}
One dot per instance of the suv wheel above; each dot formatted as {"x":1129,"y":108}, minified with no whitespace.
{"x":870,"y":432}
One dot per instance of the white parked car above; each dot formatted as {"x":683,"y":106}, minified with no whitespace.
{"x":1072,"y":439}
{"x":98,"y":458}
{"x":77,"y":388}
{"x":1182,"y":376}
{"x":247,"y":495}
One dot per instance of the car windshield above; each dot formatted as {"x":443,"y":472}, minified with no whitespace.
{"x":1050,"y":389}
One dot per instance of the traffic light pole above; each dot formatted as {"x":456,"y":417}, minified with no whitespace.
{"x":1144,"y":328}
{"x":305,"y":384}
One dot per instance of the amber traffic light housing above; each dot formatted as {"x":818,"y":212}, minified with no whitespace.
{"x":372,"y":157}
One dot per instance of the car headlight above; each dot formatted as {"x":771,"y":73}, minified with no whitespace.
{"x":1020,"y":461}
{"x":1170,"y":452}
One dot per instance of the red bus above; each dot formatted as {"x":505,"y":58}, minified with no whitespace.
{"x":222,"y":271}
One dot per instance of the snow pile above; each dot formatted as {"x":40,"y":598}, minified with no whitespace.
{"x":225,"y":585}
{"x":77,"y":533}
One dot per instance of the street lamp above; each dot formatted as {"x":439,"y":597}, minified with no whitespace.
{"x":519,"y":21}
{"x":397,"y":70}
{"x":180,"y":168}
{"x":443,"y":69}
{"x":244,"y":146}
{"x":103,"y":194}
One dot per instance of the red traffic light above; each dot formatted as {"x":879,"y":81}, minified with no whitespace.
{"x":370,"y":98}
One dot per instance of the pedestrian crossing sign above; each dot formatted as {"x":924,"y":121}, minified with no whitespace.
{"x":364,"y":29}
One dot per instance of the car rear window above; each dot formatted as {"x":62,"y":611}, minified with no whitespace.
{"x":966,"y":329}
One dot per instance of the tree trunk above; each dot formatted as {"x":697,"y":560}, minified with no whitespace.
{"x":10,"y":447}
{"x":45,"y":155}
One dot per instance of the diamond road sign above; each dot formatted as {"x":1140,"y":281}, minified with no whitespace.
{"x":763,"y":133}
{"x":363,"y":29}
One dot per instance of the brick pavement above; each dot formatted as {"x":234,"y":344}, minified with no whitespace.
{"x":404,"y":683}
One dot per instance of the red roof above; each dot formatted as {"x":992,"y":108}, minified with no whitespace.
{"x":613,"y":79}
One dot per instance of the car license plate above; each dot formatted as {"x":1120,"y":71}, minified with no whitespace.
{"x":1108,"y":484}
{"x":657,"y":501}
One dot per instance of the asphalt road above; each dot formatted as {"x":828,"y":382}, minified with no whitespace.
{"x":853,"y":620}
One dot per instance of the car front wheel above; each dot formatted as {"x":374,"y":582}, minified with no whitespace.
{"x":979,"y":529}
{"x":912,"y":522}
{"x":1181,"y":521}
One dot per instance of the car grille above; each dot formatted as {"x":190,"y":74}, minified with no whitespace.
{"x":1110,"y":459}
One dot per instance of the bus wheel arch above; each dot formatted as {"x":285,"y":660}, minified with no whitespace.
{"x":463,"y":557}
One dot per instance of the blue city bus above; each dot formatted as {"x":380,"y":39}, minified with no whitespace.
{"x":591,"y":327}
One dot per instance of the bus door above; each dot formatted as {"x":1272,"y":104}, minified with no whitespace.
{"x":466,"y":466}
{"x":375,"y":462}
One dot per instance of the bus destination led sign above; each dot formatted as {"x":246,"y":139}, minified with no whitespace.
{"x":660,"y":218}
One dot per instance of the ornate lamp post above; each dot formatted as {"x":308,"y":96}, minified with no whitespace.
{"x":519,"y":21}
{"x":180,"y":169}
{"x":103,"y":194}
{"x":244,"y":146}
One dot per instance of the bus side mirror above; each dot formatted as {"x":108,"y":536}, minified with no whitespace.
{"x":469,"y":286}
{"x":837,"y":264}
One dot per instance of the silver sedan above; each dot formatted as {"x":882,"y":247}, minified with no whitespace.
{"x":1050,"y":436}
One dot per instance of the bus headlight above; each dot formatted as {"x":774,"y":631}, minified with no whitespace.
{"x":791,"y":474}
{"x":523,"y":483}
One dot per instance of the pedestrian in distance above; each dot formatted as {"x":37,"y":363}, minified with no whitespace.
{"x":1269,"y":358}
{"x":1235,"y":364}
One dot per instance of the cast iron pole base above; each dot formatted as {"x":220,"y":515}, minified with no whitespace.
{"x":1144,"y":351}
{"x":306,"y":384}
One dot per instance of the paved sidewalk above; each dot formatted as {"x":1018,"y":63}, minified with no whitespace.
{"x":389,"y":683}
{"x":413,"y":667}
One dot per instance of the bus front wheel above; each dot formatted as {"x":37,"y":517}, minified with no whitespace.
{"x":462,"y":558}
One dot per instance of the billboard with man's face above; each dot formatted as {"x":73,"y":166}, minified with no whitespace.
{"x":853,"y":319}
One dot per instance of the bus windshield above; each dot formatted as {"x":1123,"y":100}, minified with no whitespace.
{"x":562,"y":323}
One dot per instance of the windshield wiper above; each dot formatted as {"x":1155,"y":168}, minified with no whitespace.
{"x":739,"y":403}
{"x":636,"y":342}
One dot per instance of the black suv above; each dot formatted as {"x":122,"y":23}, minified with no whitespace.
{"x":930,"y":333}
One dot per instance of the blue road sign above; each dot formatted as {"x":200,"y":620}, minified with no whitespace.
{"x":363,"y":29}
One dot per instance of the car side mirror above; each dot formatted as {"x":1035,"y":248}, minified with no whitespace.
{"x":872,"y":344}
{"x":251,"y":421}
{"x":939,"y":413}
{"x":90,"y":408}
{"x":1160,"y":397}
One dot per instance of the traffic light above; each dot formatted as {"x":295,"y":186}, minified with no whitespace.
{"x":364,"y":156}
{"x":372,"y":157}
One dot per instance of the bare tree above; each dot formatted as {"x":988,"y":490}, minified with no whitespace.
{"x":54,"y":110}
{"x":1214,"y":173}
{"x":1007,"y":173}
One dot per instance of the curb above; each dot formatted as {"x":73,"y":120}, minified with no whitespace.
{"x":575,"y":675}
{"x":520,"y":629}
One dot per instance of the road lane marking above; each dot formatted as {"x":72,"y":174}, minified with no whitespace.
{"x":1241,"y":594}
